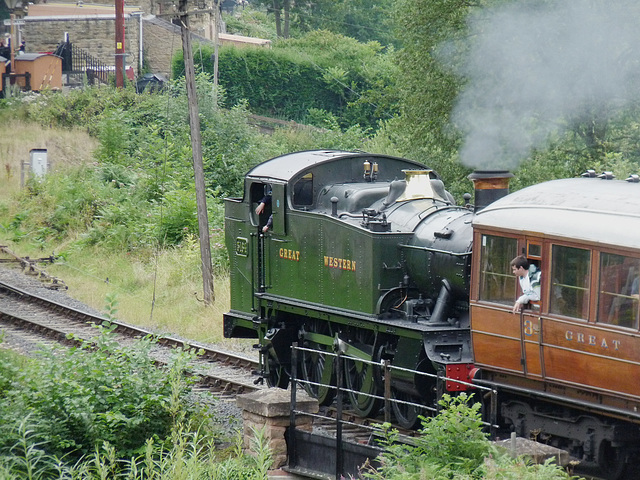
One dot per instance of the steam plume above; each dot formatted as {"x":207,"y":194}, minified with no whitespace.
{"x":534,"y":64}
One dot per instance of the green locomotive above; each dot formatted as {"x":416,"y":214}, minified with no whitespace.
{"x":367,"y":249}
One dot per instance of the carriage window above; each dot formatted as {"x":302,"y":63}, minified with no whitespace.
{"x":570,"y":272}
{"x":618,"y":290}
{"x":496,"y":280}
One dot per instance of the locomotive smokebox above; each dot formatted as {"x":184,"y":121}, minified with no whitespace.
{"x":489,"y":186}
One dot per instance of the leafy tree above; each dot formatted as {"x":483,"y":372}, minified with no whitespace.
{"x":494,"y":83}
{"x":363,"y":20}
{"x":281,"y":9}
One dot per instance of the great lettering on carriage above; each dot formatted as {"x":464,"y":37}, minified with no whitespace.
{"x":591,"y":340}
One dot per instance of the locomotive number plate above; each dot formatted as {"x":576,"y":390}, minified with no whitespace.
{"x":242,"y":247}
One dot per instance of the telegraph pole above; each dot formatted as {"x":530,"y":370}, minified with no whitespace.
{"x":216,"y":40}
{"x":120,"y":43}
{"x":196,"y":147}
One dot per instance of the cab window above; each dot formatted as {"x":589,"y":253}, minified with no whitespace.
{"x":303,"y":192}
{"x":570,"y":271}
{"x":496,"y":280}
{"x":618,"y":290}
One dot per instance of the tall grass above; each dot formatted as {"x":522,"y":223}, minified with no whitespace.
{"x":162,"y":292}
{"x":160,"y":289}
{"x":64,"y":147}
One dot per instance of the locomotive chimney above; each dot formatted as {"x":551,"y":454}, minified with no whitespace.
{"x":489,"y":186}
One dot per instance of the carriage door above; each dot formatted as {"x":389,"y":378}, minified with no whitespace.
{"x":531,"y":320}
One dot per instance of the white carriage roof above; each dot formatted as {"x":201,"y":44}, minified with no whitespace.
{"x":586,"y":209}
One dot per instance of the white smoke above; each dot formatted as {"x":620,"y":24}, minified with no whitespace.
{"x":533,"y":64}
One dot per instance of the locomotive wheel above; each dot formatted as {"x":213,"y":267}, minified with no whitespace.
{"x":276,"y":376}
{"x":407,"y":416}
{"x":611,"y":461}
{"x":317,"y":367}
{"x":360,"y":378}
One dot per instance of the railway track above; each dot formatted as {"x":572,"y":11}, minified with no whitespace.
{"x":28,"y":320}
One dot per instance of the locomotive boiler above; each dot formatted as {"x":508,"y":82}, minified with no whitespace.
{"x":369,"y":250}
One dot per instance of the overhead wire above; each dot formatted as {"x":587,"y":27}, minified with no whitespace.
{"x":162,"y":187}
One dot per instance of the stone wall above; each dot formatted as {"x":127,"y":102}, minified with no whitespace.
{"x":94,"y":34}
{"x":161,"y":40}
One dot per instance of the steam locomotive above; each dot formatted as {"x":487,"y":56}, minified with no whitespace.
{"x":371,"y":250}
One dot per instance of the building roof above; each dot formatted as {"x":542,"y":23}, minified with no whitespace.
{"x":30,"y":57}
{"x":64,"y":9}
{"x":242,"y":40}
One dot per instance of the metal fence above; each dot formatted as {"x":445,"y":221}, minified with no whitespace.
{"x":75,"y":60}
{"x":347,"y":457}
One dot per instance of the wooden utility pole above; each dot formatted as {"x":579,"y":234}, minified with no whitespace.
{"x":216,"y":40}
{"x":196,"y":147}
{"x":120,"y":43}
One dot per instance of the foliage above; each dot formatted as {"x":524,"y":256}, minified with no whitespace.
{"x":32,"y":446}
{"x":443,"y":57}
{"x":453,"y":445}
{"x":80,"y":398}
{"x":363,"y":20}
{"x":250,"y":22}
{"x":321,"y":70}
{"x":141,"y":192}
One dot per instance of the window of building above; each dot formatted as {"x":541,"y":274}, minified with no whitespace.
{"x":618,"y":290}
{"x":497,"y":283}
{"x":570,"y":270}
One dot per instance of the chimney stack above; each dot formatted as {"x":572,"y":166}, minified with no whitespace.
{"x":489,"y":186}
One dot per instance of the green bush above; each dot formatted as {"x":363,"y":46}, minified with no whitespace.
{"x":107,"y":412}
{"x":320,"y":71}
{"x":78,"y":399}
{"x":453,"y":445}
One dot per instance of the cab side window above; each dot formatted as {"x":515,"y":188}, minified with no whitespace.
{"x":570,"y":275}
{"x":618,"y":290}
{"x":303,"y":192}
{"x":496,"y":280}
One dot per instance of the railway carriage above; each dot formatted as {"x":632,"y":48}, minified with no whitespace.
{"x":569,"y":367}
